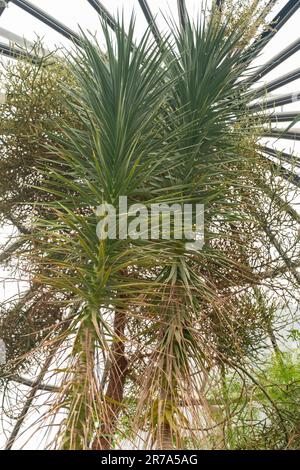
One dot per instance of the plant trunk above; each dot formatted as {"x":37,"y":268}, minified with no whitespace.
{"x":166,"y":438}
{"x":115,"y":388}
{"x":79,"y":423}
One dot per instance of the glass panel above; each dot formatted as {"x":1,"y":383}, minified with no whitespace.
{"x":282,"y":39}
{"x":283,"y":145}
{"x":164,"y":13}
{"x":75,"y":15}
{"x":127,"y":8}
{"x":18,"y":21}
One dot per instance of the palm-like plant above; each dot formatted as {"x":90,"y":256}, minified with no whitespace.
{"x":149,"y":324}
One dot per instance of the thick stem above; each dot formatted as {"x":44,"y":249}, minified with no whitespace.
{"x":166,"y":437}
{"x":116,"y":383}
{"x":80,"y":420}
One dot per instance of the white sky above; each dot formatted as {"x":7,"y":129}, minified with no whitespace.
{"x":75,"y":13}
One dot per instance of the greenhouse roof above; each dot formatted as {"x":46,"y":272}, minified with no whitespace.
{"x":59,"y":24}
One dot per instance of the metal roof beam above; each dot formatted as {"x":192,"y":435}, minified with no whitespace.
{"x":284,"y":117}
{"x":104,"y":13}
{"x":50,"y":21}
{"x":275,"y":61}
{"x":3,"y":5}
{"x":276,"y":24}
{"x":284,"y":172}
{"x":150,"y":20}
{"x":289,"y":158}
{"x":274,"y":101}
{"x":282,"y":134}
{"x":278,"y":82}
{"x":106,"y":16}
{"x":289,"y":176}
{"x":14,"y":53}
{"x":15,"y":38}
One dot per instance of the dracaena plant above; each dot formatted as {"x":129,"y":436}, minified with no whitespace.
{"x":150,"y":325}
